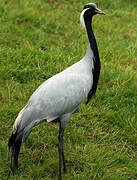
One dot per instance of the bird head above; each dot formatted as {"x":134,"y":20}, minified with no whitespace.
{"x":89,"y":11}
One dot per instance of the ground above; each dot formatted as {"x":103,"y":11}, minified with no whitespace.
{"x":41,"y":38}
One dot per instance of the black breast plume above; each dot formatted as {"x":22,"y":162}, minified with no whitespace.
{"x":95,"y":59}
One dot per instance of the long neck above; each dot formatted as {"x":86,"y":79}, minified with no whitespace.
{"x":93,"y":52}
{"x":91,"y":40}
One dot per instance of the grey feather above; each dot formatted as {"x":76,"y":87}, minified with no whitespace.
{"x":61,"y":94}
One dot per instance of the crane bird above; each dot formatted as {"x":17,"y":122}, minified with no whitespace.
{"x":60,"y":96}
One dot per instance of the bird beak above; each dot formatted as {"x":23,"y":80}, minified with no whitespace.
{"x":98,"y":11}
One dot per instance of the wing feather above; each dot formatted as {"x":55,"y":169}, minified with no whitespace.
{"x":59,"y":95}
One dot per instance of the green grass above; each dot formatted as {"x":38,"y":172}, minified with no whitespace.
{"x":100,"y":141}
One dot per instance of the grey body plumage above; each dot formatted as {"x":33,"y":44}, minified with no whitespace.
{"x":58,"y":97}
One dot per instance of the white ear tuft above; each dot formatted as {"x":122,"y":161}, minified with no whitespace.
{"x":82,"y":21}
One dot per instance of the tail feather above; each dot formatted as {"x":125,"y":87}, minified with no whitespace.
{"x":14,"y":149}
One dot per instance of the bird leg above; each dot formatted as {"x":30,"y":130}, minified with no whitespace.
{"x":61,"y":152}
{"x":64,"y":164}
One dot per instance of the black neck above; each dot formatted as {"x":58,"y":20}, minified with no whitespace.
{"x":91,"y":38}
{"x":95,"y":58}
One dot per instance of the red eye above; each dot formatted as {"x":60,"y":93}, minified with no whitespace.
{"x":90,"y":8}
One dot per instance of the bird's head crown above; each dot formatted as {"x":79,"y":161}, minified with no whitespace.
{"x":89,"y":10}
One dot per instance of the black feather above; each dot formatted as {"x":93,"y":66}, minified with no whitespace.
{"x":96,"y":73}
{"x":96,"y":59}
{"x":14,"y":149}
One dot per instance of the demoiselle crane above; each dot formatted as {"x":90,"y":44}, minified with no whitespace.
{"x":60,"y":96}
